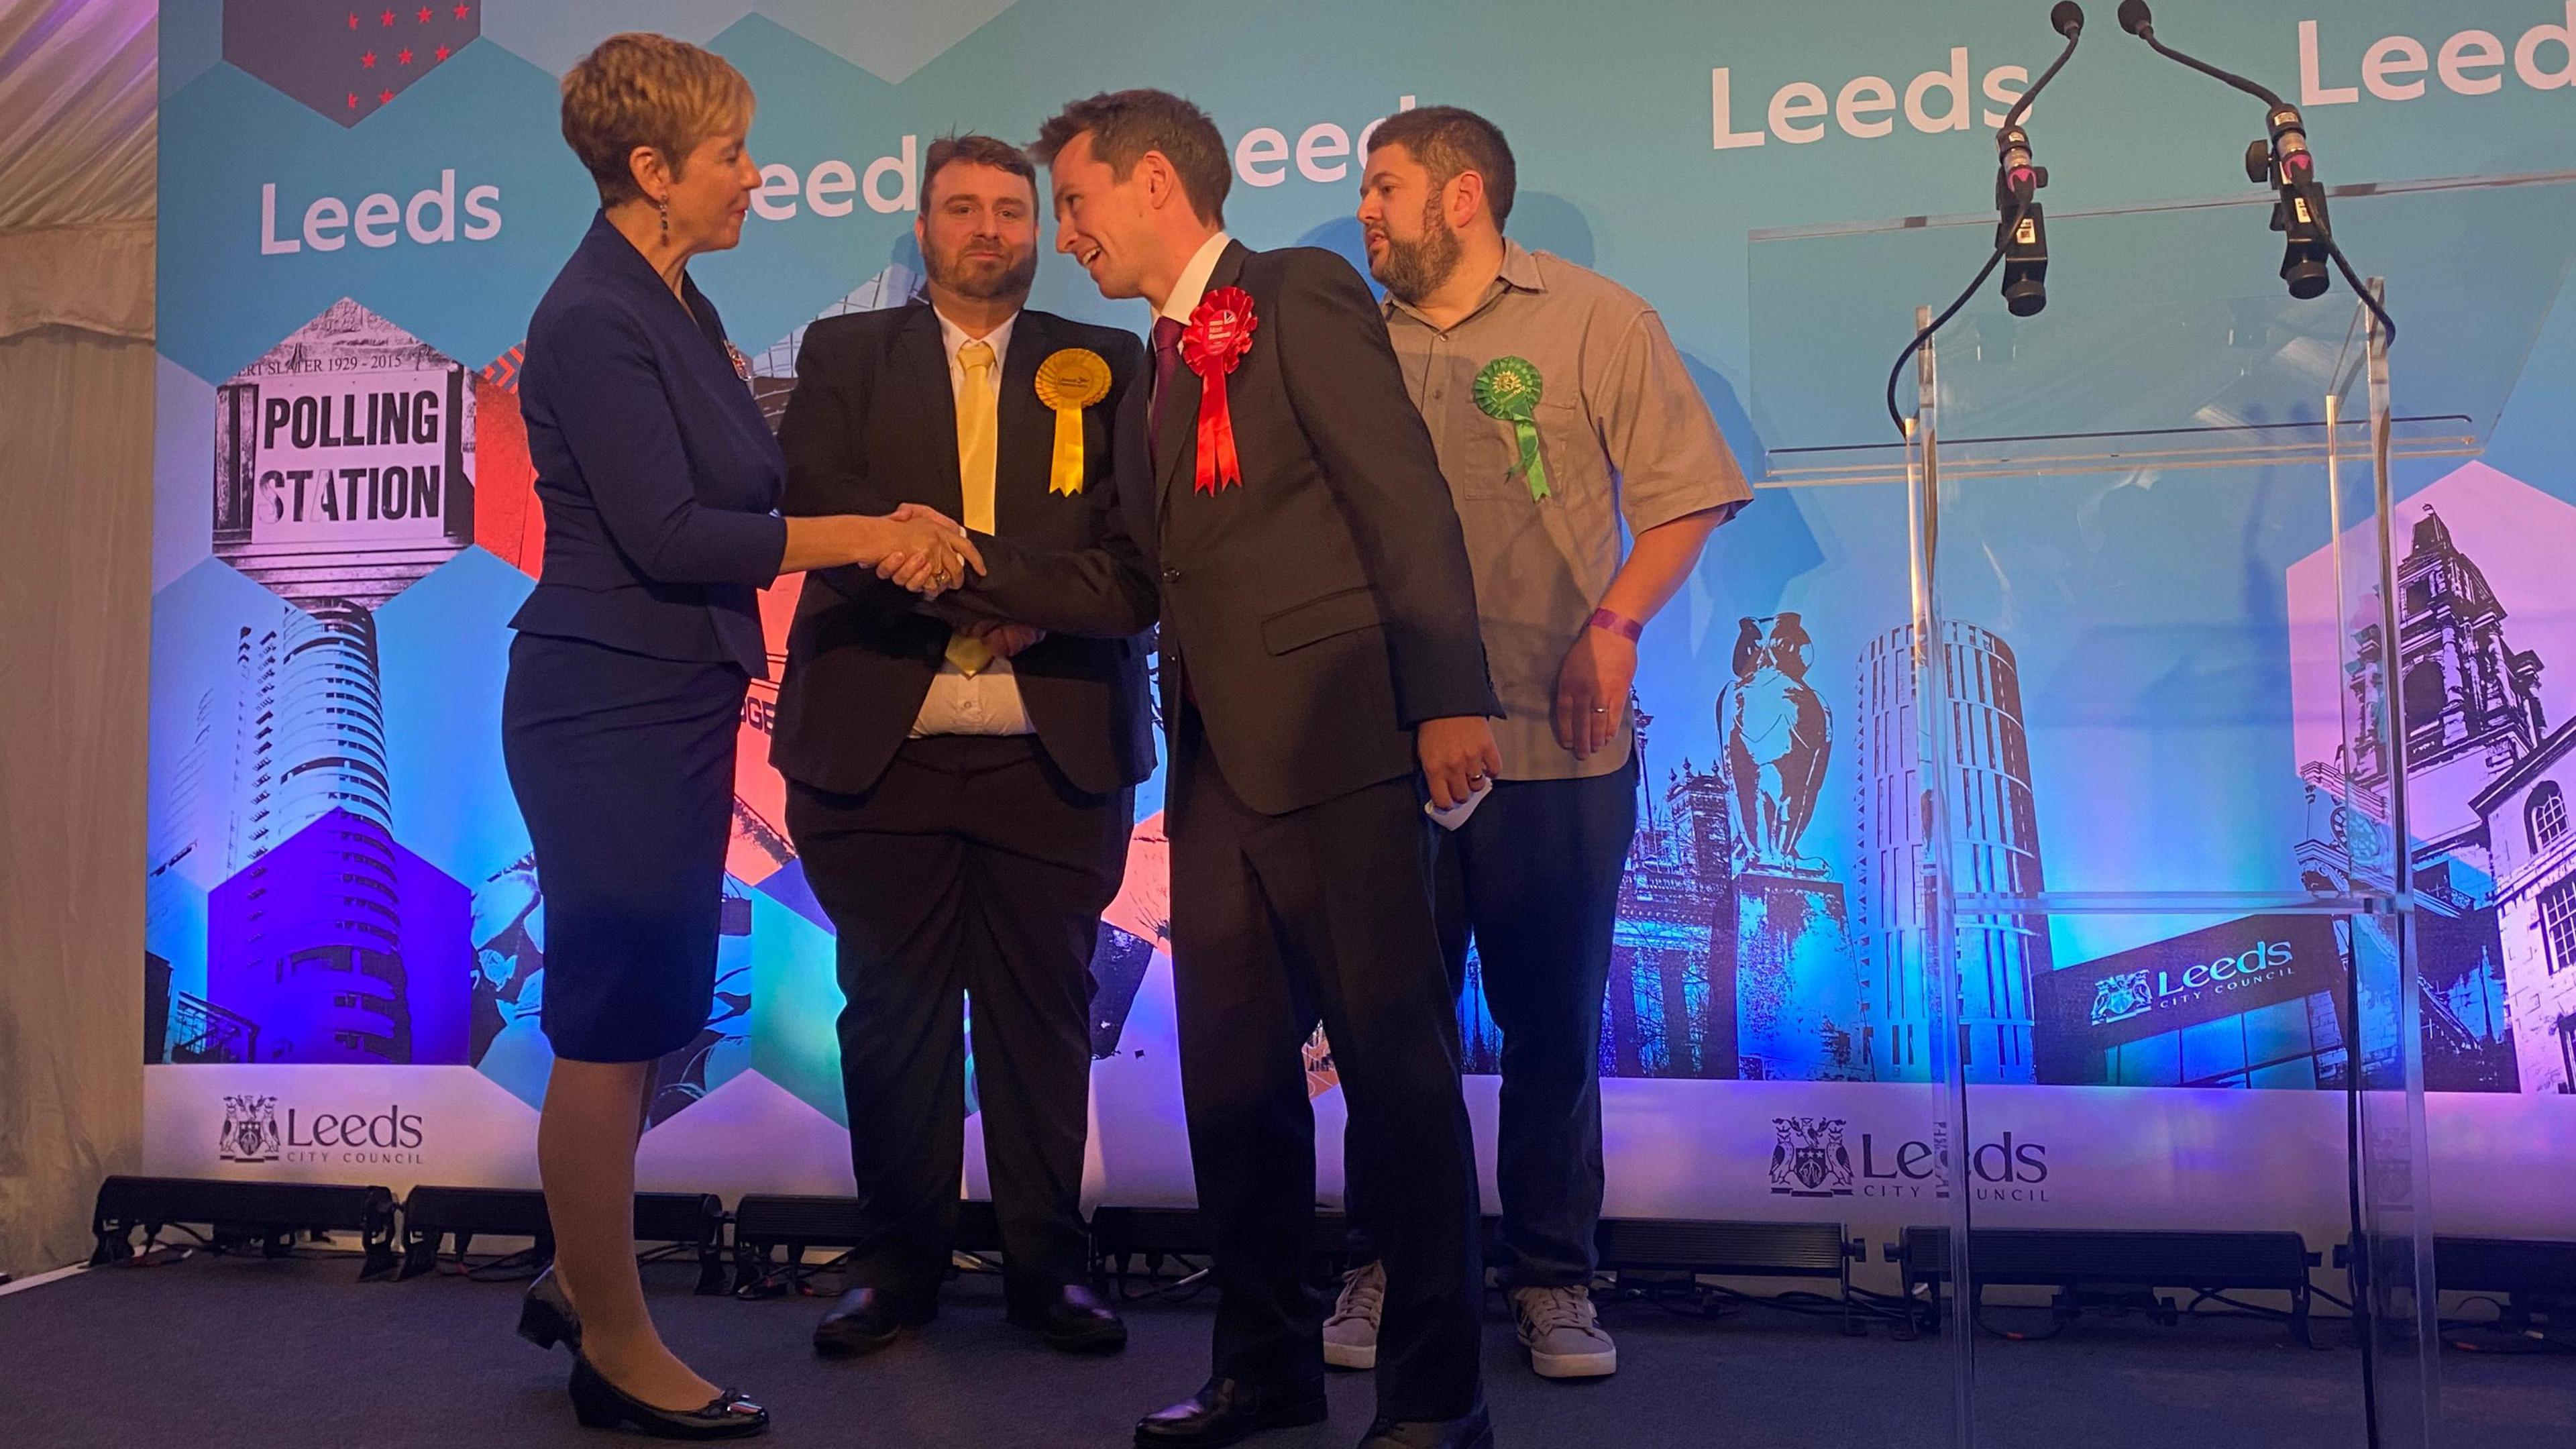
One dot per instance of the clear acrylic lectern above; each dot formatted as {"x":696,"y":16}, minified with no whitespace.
{"x":2140,"y":713}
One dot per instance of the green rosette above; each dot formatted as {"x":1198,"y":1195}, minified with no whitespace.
{"x":1508,"y":389}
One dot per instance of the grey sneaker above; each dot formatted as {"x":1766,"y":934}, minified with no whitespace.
{"x":1350,"y":1335}
{"x":1562,"y":1333}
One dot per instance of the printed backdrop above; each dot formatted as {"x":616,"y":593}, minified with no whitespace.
{"x":361,"y":205}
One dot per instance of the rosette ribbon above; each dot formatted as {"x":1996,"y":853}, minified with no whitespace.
{"x":1070,"y":380}
{"x":1220,"y":332}
{"x":1508,"y":389}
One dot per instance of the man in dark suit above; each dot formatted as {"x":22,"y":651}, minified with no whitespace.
{"x":1319,"y":645}
{"x":961,"y":789}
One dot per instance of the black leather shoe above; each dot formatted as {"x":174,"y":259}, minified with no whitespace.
{"x":545,"y":1315}
{"x":1225,"y":1411}
{"x":1474,"y":1431}
{"x":599,"y":1404}
{"x":864,"y":1321}
{"x":1072,"y":1318}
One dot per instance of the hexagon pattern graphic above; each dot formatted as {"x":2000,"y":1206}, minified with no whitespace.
{"x":446,"y":650}
{"x":344,"y":461}
{"x":556,"y":33}
{"x":507,"y":521}
{"x":346,"y":60}
{"x":339,"y":946}
{"x":889,"y":39}
{"x":2481,"y":577}
{"x":508,"y":1042}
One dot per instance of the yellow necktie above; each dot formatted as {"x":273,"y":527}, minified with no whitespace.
{"x":975,"y":451}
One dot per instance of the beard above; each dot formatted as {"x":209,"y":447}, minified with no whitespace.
{"x":983,"y":282}
{"x":1414,"y":270}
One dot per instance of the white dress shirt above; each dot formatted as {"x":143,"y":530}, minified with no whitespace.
{"x":1191,"y":289}
{"x":988,"y":701}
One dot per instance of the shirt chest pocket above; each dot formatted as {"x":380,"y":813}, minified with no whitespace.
{"x":1494,"y":461}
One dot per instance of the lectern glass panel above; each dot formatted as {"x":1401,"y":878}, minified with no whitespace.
{"x":2191,"y":716}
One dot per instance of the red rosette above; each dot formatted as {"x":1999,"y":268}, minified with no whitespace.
{"x":1220,"y":332}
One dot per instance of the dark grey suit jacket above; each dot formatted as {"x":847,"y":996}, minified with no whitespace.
{"x":1322,"y":609}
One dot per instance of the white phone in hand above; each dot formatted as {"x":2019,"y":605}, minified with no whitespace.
{"x":1456,"y":815}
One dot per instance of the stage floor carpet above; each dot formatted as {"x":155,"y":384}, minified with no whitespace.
{"x":230,"y":1353}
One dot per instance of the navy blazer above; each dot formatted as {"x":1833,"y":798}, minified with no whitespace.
{"x":661,"y":480}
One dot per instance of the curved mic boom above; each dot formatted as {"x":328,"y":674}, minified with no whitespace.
{"x":2021,"y":236}
{"x":2283,"y":159}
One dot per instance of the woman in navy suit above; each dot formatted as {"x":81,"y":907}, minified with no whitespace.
{"x":661,"y":484}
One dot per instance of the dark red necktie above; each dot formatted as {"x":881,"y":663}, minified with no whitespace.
{"x":1167,"y":365}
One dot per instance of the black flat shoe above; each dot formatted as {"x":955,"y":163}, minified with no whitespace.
{"x":1227,"y":1411}
{"x":545,"y":1314}
{"x":1073,"y":1319}
{"x":1474,"y":1431}
{"x":864,"y":1321}
{"x":599,"y":1404}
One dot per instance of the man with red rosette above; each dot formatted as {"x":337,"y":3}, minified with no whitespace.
{"x":1319,"y":647}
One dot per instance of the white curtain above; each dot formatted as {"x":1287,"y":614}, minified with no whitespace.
{"x":77,"y":84}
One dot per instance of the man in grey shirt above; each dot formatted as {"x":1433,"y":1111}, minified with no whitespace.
{"x":1560,"y":409}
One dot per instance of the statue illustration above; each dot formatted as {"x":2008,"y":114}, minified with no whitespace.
{"x":1778,"y":735}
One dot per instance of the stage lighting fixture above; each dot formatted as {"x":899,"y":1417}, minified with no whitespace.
{"x":1632,"y":1246}
{"x":2109,"y":1269}
{"x":2537,"y":1277}
{"x":688,"y":1220}
{"x":237,"y":1215}
{"x":2532,"y":1279}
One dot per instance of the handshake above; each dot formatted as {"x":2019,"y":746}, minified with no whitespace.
{"x":916,"y":547}
{"x":921,"y":549}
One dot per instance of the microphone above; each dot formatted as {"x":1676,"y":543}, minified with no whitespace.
{"x":2022,"y":233}
{"x":2021,"y":230}
{"x":2281,"y":158}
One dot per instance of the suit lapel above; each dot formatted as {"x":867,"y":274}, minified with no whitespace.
{"x":1025,"y":441}
{"x":1178,"y":442}
{"x":919,"y":389}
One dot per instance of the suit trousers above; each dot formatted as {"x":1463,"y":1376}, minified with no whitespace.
{"x":971,"y":869}
{"x":1278,"y":922}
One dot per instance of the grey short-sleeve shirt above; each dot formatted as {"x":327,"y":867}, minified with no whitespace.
{"x":1624,"y":435}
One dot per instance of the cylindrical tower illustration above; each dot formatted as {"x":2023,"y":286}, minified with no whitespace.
{"x":307,"y":939}
{"x":1996,"y":852}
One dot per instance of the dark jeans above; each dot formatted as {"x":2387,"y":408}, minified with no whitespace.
{"x":1533,"y":877}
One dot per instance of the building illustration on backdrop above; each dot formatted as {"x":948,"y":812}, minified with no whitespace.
{"x":1797,"y":987}
{"x":2478,"y":754}
{"x":1736,"y":954}
{"x":326,"y":939}
{"x":1994,"y":826}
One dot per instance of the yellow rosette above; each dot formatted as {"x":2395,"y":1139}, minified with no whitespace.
{"x":1069,"y":381}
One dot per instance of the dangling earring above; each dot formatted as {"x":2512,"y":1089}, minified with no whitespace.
{"x":663,"y":205}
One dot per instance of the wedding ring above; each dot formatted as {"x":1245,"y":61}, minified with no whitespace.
{"x":1600,"y":709}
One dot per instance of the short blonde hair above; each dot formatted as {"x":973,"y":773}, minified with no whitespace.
{"x":640,"y":89}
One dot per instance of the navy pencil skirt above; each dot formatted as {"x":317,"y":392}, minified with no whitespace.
{"x":623,"y":768}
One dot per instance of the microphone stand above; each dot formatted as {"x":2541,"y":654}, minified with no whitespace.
{"x":2014,"y":183}
{"x":2282,"y":156}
